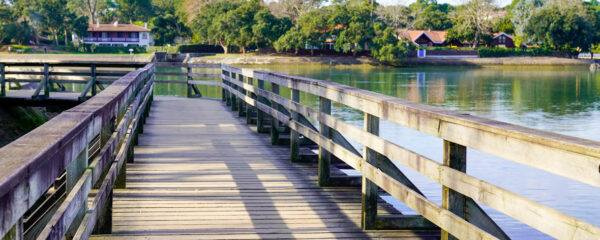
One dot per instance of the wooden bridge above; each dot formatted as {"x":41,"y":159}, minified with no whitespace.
{"x":126,"y":164}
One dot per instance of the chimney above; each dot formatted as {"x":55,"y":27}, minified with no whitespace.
{"x":97,"y":23}
{"x":116,"y":23}
{"x":429,"y":30}
{"x":146,"y":25}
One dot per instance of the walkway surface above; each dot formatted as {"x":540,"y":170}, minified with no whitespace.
{"x":200,"y":172}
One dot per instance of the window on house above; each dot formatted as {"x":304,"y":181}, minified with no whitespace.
{"x":144,"y":36}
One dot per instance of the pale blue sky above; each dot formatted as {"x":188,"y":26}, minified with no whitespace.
{"x":500,"y":3}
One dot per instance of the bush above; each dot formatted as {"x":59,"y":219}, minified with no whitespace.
{"x":92,"y":48}
{"x":199,"y":48}
{"x":167,"y":49}
{"x":513,"y":52}
{"x":15,"y":47}
{"x":444,"y":48}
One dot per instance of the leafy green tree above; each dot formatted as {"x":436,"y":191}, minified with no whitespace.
{"x":564,"y":29}
{"x":386,"y":47}
{"x":433,"y":17}
{"x":472,"y":22}
{"x":268,"y":28}
{"x":503,"y":24}
{"x":166,"y":28}
{"x":213,"y":26}
{"x":134,"y":10}
{"x":352,"y":26}
{"x":243,"y":20}
{"x":292,"y":39}
{"x":53,"y":16}
{"x":314,"y":27}
{"x":521,"y":10}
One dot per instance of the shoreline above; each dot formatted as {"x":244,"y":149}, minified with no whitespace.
{"x":502,"y":61}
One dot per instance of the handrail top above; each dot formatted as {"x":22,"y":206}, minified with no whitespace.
{"x":134,"y":61}
{"x":29,"y":152}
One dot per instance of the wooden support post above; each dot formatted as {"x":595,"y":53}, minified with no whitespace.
{"x":369,"y":189}
{"x":104,"y":222}
{"x":46,"y":80}
{"x":233,"y":100}
{"x":294,"y":136}
{"x":226,"y":92}
{"x":94,"y":80}
{"x":260,"y":115}
{"x":2,"y":80}
{"x":248,"y":106}
{"x":274,"y":121}
{"x":241,"y":103}
{"x":324,"y":155}
{"x":75,"y":170}
{"x":455,"y":156}
{"x":187,"y":81}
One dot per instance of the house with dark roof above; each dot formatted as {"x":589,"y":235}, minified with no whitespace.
{"x":116,"y":34}
{"x":502,"y":40}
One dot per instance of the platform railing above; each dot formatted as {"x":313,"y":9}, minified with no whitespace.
{"x":90,"y":145}
{"x":458,"y":216}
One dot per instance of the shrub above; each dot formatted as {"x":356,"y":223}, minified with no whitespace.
{"x":513,"y":52}
{"x":199,"y":48}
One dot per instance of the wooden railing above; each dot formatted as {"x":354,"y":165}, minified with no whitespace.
{"x":570,"y":157}
{"x":90,"y":143}
{"x":51,"y":76}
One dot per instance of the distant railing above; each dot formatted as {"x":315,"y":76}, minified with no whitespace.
{"x":110,"y":39}
{"x":89,"y":145}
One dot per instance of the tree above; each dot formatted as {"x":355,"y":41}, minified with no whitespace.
{"x":267,"y":28}
{"x":521,"y":10}
{"x":166,"y":28}
{"x":564,"y":29}
{"x":432,"y":17}
{"x":314,"y":27}
{"x":352,"y":26}
{"x":396,"y":16}
{"x":213,"y":25}
{"x":53,"y":16}
{"x":292,"y":39}
{"x":472,"y":21}
{"x":295,"y":9}
{"x":134,"y":10}
{"x":243,"y":20}
{"x":386,"y":47}
{"x":503,"y":24}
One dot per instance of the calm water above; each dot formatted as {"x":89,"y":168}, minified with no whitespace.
{"x":562,"y":100}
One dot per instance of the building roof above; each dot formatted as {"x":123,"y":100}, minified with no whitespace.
{"x":116,"y":28}
{"x":413,"y":35}
{"x":502,"y":33}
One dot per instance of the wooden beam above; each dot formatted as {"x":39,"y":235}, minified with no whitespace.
{"x":404,"y":222}
{"x":324,"y":156}
{"x":2,"y":80}
{"x":248,"y":106}
{"x":369,"y":189}
{"x":294,"y":137}
{"x":455,"y":157}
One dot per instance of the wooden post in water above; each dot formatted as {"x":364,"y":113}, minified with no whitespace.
{"x":187,"y":81}
{"x":260,"y":115}
{"x":455,"y":156}
{"x":274,"y":121}
{"x":324,"y":155}
{"x":294,"y":136}
{"x":2,"y":80}
{"x":369,"y":189}
{"x":249,"y":108}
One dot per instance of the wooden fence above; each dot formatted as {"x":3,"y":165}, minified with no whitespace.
{"x":89,"y":144}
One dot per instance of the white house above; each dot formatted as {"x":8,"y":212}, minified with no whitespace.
{"x":115,"y":34}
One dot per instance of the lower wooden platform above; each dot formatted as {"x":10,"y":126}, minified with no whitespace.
{"x":200,"y":172}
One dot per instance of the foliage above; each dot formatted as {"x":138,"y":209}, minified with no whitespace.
{"x":166,"y":28}
{"x":561,"y":28}
{"x":198,"y":48}
{"x":212,"y":25}
{"x":512,"y":52}
{"x":292,"y":39}
{"x":433,"y":17}
{"x":268,"y":28}
{"x":472,"y":23}
{"x":352,"y":25}
{"x":134,"y":10}
{"x":386,"y":47}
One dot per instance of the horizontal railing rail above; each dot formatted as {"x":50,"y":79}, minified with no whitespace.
{"x":566,"y":156}
{"x":90,"y":143}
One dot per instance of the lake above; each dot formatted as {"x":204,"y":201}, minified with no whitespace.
{"x":564,"y":100}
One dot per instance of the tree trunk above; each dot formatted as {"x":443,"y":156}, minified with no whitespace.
{"x":296,"y":52}
{"x":225,"y":47}
{"x":312,"y":50}
{"x":476,"y":39}
{"x":55,"y":33}
{"x":244,"y":50}
{"x":66,"y":39}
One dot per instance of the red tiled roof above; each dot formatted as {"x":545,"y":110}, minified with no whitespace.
{"x":413,"y":35}
{"x":118,"y":28}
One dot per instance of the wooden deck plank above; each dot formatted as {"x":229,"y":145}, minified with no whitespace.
{"x":200,"y":172}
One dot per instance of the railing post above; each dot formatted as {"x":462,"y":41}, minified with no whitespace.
{"x":324,"y":155}
{"x":46,"y":80}
{"x":2,"y":80}
{"x":233,"y":100}
{"x":223,"y":97}
{"x":242,"y":102}
{"x":260,"y":115}
{"x":455,"y":156}
{"x":274,"y":120}
{"x":294,"y":136}
{"x":226,"y":92}
{"x":75,"y":170}
{"x":250,"y":81}
{"x":369,"y":189}
{"x":187,"y":81}
{"x":16,"y":232}
{"x":94,"y":81}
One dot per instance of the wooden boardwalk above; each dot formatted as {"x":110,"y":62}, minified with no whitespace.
{"x":200,"y":172}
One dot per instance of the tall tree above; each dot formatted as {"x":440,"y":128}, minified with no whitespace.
{"x":472,"y":20}
{"x":134,"y":10}
{"x":314,"y":26}
{"x":213,"y":24}
{"x":295,"y":9}
{"x":267,"y":28}
{"x":292,"y":39}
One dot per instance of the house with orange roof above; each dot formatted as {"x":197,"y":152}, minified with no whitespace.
{"x":117,"y":34}
{"x":424,"y":38}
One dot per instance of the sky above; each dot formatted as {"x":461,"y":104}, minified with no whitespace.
{"x":500,"y":3}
